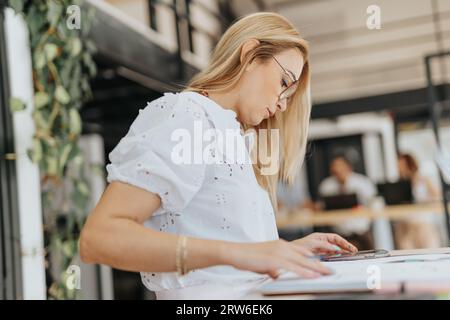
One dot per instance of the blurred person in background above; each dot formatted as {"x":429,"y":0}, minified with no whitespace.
{"x":420,"y":230}
{"x":343,"y":180}
{"x":423,"y":188}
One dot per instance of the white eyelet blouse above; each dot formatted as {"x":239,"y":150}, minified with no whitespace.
{"x":220,"y":200}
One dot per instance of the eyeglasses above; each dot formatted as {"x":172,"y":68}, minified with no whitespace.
{"x":291,"y":86}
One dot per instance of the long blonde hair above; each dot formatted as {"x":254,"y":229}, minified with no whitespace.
{"x":275,"y":34}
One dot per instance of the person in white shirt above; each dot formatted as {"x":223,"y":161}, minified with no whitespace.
{"x":344,"y":180}
{"x":190,"y":215}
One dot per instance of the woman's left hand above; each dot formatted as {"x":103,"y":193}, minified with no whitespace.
{"x":326,"y":243}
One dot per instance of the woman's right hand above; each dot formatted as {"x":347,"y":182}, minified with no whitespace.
{"x":273,"y":256}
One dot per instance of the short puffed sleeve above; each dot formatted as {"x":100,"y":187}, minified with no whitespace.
{"x":148,"y":155}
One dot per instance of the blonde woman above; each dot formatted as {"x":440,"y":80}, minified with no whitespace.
{"x":206,"y":229}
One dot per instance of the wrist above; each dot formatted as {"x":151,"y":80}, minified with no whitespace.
{"x":227,"y":253}
{"x":206,"y":253}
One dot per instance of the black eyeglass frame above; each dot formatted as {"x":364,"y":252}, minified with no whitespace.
{"x":283,"y":95}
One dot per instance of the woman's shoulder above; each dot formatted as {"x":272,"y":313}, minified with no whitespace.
{"x":173,"y":101}
{"x":171,"y":109}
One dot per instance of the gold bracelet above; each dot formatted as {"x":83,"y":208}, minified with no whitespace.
{"x":181,"y":254}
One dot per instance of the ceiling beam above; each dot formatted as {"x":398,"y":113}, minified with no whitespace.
{"x":413,"y":100}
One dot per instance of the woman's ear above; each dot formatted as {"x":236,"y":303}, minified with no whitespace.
{"x":248,"y":46}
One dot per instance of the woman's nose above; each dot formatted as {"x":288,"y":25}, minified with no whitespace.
{"x":281,"y":105}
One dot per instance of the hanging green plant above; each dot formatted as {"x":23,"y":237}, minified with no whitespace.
{"x":62,"y":67}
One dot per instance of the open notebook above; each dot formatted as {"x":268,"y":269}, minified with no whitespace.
{"x":383,"y":274}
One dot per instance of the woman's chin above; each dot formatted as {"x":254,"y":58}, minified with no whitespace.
{"x":258,"y":121}
{"x":253,"y":120}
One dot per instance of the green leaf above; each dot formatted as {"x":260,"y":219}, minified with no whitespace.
{"x":16,"y":104}
{"x":61,"y":95}
{"x":66,"y":71}
{"x":67,"y":249}
{"x":52,"y":164}
{"x":74,"y":85}
{"x":35,"y":21}
{"x":63,"y":32}
{"x":75,"y":46}
{"x":30,"y":154}
{"x":90,"y":64}
{"x":75,"y":122}
{"x":75,"y":170}
{"x":54,"y":12}
{"x":39,"y":120}
{"x":85,"y":85}
{"x":39,"y":60}
{"x":17,"y":5}
{"x":42,"y":78}
{"x":41,"y":99}
{"x":36,"y":150}
{"x":83,"y":188}
{"x":75,"y":91}
{"x":92,"y":69}
{"x":50,"y":141}
{"x":65,"y":155}
{"x":51,"y":50}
